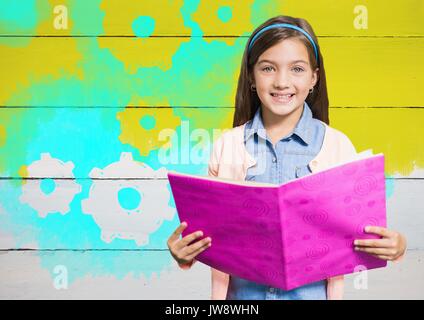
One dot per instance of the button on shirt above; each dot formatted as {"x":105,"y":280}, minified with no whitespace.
{"x":286,"y":160}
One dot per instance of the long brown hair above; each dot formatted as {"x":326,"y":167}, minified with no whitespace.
{"x":247,"y":101}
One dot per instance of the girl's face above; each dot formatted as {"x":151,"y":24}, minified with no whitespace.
{"x":283,"y":77}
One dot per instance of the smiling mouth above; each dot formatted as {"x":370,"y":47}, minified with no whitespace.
{"x":286,"y":96}
{"x":282,"y":98}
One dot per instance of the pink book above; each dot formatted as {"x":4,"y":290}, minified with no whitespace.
{"x":291,"y":234}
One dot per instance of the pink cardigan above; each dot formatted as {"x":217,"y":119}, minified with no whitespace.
{"x":230,"y":159}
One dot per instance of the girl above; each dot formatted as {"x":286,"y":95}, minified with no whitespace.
{"x":281,"y":106}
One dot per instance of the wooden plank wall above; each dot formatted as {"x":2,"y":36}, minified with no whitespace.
{"x":87,"y":87}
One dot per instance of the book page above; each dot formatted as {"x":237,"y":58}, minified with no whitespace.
{"x":230,"y":181}
{"x":361,"y":155}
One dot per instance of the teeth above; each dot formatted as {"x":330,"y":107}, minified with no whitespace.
{"x":284,"y":96}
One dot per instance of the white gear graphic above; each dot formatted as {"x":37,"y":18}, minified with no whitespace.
{"x":129,"y":224}
{"x":64,"y":192}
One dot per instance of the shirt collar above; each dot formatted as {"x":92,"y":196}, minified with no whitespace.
{"x":302,"y":129}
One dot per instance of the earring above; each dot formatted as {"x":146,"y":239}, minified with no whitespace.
{"x":311,"y":90}
{"x":253,"y":88}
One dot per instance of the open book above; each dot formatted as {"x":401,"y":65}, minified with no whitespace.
{"x":291,"y":234}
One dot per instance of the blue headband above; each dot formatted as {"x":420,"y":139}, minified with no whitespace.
{"x":284,"y":25}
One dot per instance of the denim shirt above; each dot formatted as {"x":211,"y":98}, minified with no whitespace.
{"x":285,"y":161}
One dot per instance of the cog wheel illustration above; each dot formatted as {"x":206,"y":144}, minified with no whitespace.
{"x":64,"y":190}
{"x":114,"y":219}
{"x":224,"y":17}
{"x":143,"y":19}
{"x":133,"y":127}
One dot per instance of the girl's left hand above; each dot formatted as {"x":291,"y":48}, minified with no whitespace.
{"x":391,"y":247}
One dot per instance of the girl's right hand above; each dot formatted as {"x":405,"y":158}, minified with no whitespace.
{"x":180,"y":249}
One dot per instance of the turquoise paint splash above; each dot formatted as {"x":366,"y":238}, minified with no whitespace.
{"x":225,"y":13}
{"x":17,"y":15}
{"x":148,"y":122}
{"x":143,"y":26}
{"x":210,"y":75}
{"x":82,"y":141}
{"x":390,"y":186}
{"x":90,"y":137}
{"x":47,"y":186}
{"x":129,"y":198}
{"x":20,"y":18}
